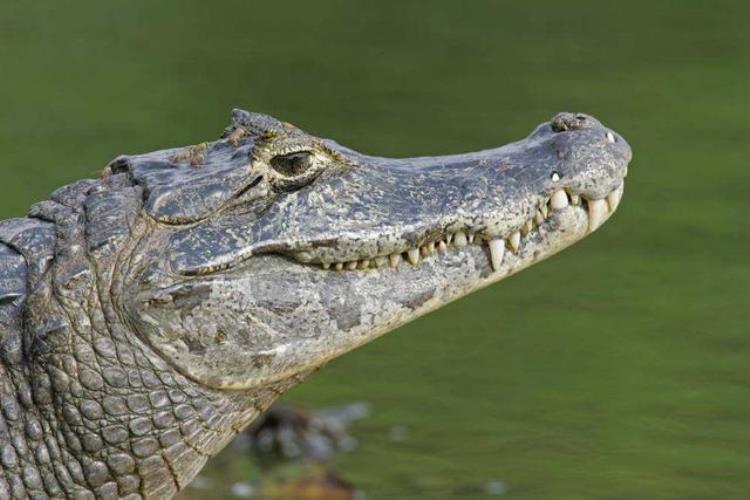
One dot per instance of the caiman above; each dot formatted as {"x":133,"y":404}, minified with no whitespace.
{"x":149,"y":315}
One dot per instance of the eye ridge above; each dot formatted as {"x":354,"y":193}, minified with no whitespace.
{"x":292,"y":164}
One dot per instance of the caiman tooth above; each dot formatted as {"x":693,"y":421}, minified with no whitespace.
{"x":514,"y":241}
{"x":460,"y":239}
{"x":538,"y":217}
{"x":575,"y":199}
{"x":497,"y":250}
{"x":448,"y":238}
{"x":364,"y":264}
{"x":351,"y":265}
{"x":441,"y":246}
{"x":394,"y":260}
{"x":527,"y":227}
{"x":597,"y":213}
{"x":413,"y":256}
{"x":339,"y":266}
{"x":428,"y":249}
{"x":325,"y":265}
{"x":381,"y":261}
{"x":559,"y":200}
{"x":544,"y":211}
{"x":470,"y":237}
{"x":613,"y":198}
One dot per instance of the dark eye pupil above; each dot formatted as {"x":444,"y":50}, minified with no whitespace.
{"x":292,"y":164}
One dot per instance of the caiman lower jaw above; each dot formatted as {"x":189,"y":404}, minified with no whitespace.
{"x":541,"y":225}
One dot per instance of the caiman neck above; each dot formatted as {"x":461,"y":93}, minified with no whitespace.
{"x":87,"y":408}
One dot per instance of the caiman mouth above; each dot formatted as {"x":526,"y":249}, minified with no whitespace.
{"x":539,"y":225}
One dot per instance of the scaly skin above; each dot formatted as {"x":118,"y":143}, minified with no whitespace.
{"x":148,"y":316}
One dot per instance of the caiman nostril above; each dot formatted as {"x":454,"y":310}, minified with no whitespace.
{"x":563,"y":122}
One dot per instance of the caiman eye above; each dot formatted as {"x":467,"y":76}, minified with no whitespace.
{"x":292,"y":164}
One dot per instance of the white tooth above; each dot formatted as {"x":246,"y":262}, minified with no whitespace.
{"x":441,"y":246}
{"x":575,"y":199}
{"x":448,"y":238}
{"x":527,"y":227}
{"x":597,"y":213}
{"x":460,"y":239}
{"x":428,"y":249}
{"x":364,"y":264}
{"x":544,"y":211}
{"x":538,"y":217}
{"x":351,"y":265}
{"x":394,"y":259}
{"x":610,"y":137}
{"x":559,"y":200}
{"x":497,"y":250}
{"x":613,"y":198}
{"x":514,"y":241}
{"x":470,"y":237}
{"x":326,"y":265}
{"x":381,"y":261}
{"x":339,"y":266}
{"x":413,"y":255}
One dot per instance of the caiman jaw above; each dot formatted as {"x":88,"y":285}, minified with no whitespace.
{"x":538,"y":228}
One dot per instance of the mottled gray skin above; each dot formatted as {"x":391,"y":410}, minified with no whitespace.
{"x":148,"y":316}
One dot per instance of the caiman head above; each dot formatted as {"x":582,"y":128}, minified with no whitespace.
{"x":271,"y":251}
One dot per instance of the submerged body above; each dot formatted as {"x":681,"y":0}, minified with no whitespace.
{"x":148,"y":316}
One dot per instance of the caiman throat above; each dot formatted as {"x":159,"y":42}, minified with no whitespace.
{"x":149,"y":315}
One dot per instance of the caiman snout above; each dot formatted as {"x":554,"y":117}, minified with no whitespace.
{"x":388,"y":208}
{"x":354,"y":211}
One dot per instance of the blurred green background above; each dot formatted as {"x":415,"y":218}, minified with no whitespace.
{"x":618,"y":369}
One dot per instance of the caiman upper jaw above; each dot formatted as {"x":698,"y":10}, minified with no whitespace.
{"x":586,"y":164}
{"x":363,"y":210}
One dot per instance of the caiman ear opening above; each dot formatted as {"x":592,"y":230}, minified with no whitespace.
{"x":185,"y":185}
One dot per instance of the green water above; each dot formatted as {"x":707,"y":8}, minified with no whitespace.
{"x":618,"y":369}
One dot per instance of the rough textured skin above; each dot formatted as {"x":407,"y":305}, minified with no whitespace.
{"x":148,"y":316}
